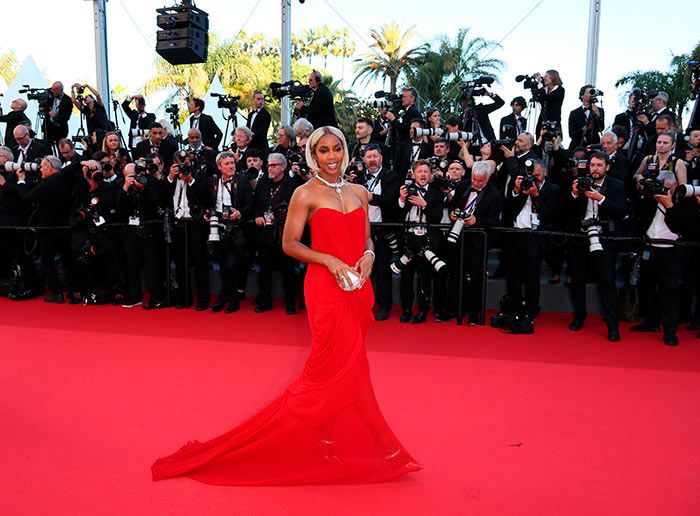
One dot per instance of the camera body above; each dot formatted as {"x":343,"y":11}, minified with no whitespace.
{"x":295,"y":158}
{"x":642,"y":100}
{"x":293,"y":89}
{"x":144,"y":168}
{"x":89,"y":212}
{"x":529,"y":81}
{"x":475,"y":88}
{"x":551,"y":130}
{"x":357,"y":167}
{"x":594,"y":93}
{"x":439,"y":164}
{"x":650,"y":182}
{"x":505,"y":142}
{"x":412,"y":188}
{"x":586,"y":183}
{"x":41,"y":95}
{"x":392,"y":101}
{"x":225,"y":101}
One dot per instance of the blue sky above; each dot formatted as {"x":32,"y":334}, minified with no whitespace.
{"x":553,"y":36}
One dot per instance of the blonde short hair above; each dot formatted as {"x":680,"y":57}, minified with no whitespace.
{"x":313,"y":142}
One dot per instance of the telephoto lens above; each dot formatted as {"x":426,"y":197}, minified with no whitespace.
{"x":434,"y":260}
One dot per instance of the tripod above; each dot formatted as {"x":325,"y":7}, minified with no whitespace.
{"x":115,"y":105}
{"x":232,"y":116}
{"x":533,"y":114}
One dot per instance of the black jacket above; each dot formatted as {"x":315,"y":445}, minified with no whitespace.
{"x":508,"y":129}
{"x":241,"y":195}
{"x":402,"y":125}
{"x":57,"y":127}
{"x":144,"y":203}
{"x":585,"y":131}
{"x":433,"y":211}
{"x":482,"y":114}
{"x":404,"y":151}
{"x":488,"y":206}
{"x":35,"y":151}
{"x":164,"y":149}
{"x":551,"y":105}
{"x":211,"y":134}
{"x":611,"y":212}
{"x":259,"y":127}
{"x":546,"y":205}
{"x":52,"y":196}
{"x":13,"y":119}
{"x":136,"y":121}
{"x":387,"y":200}
{"x":198,"y":195}
{"x":320,"y":111}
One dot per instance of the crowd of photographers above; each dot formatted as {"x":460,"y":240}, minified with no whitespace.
{"x":118,"y":214}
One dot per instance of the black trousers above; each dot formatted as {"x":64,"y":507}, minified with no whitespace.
{"x":144,"y":252}
{"x":524,"y":255}
{"x":52,"y":242}
{"x":603,"y":264}
{"x":233,"y":263}
{"x":446,"y":294}
{"x":381,"y":273}
{"x":191,"y":237}
{"x":660,"y":288}
{"x":420,"y":268}
{"x":271,"y":257}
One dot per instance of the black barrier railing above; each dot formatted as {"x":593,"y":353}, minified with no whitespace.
{"x":482,"y":233}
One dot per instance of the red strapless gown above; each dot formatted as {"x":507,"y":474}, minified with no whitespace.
{"x":326,"y":428}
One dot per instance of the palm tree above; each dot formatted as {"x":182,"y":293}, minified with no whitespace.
{"x":9,"y":67}
{"x":344,"y":47}
{"x":389,"y":56}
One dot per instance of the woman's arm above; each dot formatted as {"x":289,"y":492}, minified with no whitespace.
{"x":73,"y":99}
{"x":98,"y":97}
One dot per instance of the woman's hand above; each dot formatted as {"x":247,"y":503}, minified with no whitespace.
{"x":339,"y":270}
{"x":364,"y":267}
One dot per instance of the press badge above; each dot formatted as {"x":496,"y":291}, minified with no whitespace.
{"x":134,"y":221}
{"x":99,"y":220}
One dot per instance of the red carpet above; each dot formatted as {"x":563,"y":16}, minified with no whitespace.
{"x":557,"y":423}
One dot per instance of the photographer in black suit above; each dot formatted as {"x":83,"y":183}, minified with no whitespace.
{"x":320,"y":111}
{"x":419,"y":208}
{"x":189,"y":196}
{"x":233,"y":207}
{"x":272,"y":196}
{"x":587,"y":121}
{"x":515,"y":158}
{"x":550,"y":95}
{"x":383,"y":191}
{"x":51,"y":196}
{"x":659,"y":106}
{"x":211,"y":134}
{"x":532,"y":203}
{"x":28,"y":149}
{"x":410,"y":151}
{"x":596,"y":204}
{"x":365,"y":136}
{"x":515,"y":123}
{"x":15,"y":117}
{"x":258,"y":122}
{"x":402,"y":125}
{"x":92,"y":108}
{"x":59,"y":109}
{"x":139,"y":120}
{"x":482,"y":115}
{"x":619,"y":164}
{"x":155,"y":144}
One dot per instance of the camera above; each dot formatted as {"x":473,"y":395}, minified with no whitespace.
{"x":438,"y":163}
{"x":89,"y":212}
{"x":594,"y":94}
{"x":529,"y":81}
{"x":294,"y":89}
{"x":513,"y":317}
{"x":27,"y":166}
{"x":551,"y":130}
{"x":173,"y":110}
{"x":475,"y":88}
{"x":400,"y":262}
{"x":357,"y":167}
{"x":458,"y":226}
{"x":143,"y":169}
{"x":295,"y":158}
{"x":460,"y":135}
{"x":650,"y":182}
{"x":392,"y":101}
{"x":528,"y":180}
{"x":642,"y":100}
{"x":41,"y":95}
{"x":80,"y":94}
{"x":505,"y":142}
{"x":227,"y":101}
{"x":586,"y":183}
{"x":592,"y":227}
{"x":432,"y":131}
{"x":683,"y":191}
{"x":412,"y":188}
{"x":443,"y":181}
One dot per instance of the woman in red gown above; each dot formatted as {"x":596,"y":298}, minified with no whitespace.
{"x":326,"y":428}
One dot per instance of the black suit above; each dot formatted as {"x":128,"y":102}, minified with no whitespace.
{"x":610,"y":212}
{"x":403,"y":159}
{"x":137,"y":120}
{"x":551,"y":105}
{"x":13,"y":119}
{"x":35,"y":151}
{"x":57,"y":126}
{"x":165,"y":149}
{"x":650,"y":128}
{"x":482,"y":116}
{"x":402,"y":125}
{"x":259,"y":126}
{"x":525,"y":251}
{"x":211,"y":134}
{"x":510,"y":128}
{"x":585,"y":130}
{"x":320,"y":111}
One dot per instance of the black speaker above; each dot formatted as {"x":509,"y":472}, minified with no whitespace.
{"x":184,"y":38}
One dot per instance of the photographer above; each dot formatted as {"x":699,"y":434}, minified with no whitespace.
{"x":485,"y":129}
{"x":550,"y":95}
{"x":286,"y":141}
{"x":532,"y":204}
{"x":211,"y":134}
{"x":51,"y":196}
{"x":692,"y":156}
{"x":420,"y":205}
{"x":258,"y":122}
{"x":98,"y":277}
{"x":156,"y":145}
{"x":364,"y":135}
{"x":485,"y":155}
{"x":382,"y":126}
{"x":514,"y":124}
{"x":272,"y":196}
{"x":587,"y":121}
{"x":303,"y":129}
{"x":515,"y":158}
{"x":663,"y":160}
{"x":141,"y":200}
{"x":242,"y":136}
{"x":659,"y":106}
{"x":92,"y":107}
{"x":619,"y":164}
{"x":233,"y":206}
{"x":410,"y":151}
{"x":660,"y":274}
{"x":402,"y":125}
{"x":28,"y":149}
{"x":662,"y":124}
{"x":205,"y":156}
{"x":58,"y":108}
{"x":478,"y":206}
{"x":15,"y":117}
{"x":139,"y":120}
{"x":597,"y":204}
{"x":383,"y":191}
{"x":189,"y":198}
{"x":320,"y":111}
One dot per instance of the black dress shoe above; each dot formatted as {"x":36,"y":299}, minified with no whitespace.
{"x":419,"y":318}
{"x":233,"y":306}
{"x":576,"y":324}
{"x":219,"y":305}
{"x":381,"y":315}
{"x":54,"y":298}
{"x":262,"y":308}
{"x":405,"y":316}
{"x":443,"y":317}
{"x":154,"y":305}
{"x":201,"y":306}
{"x":613,"y":334}
{"x":670,"y":339}
{"x":645,"y":327}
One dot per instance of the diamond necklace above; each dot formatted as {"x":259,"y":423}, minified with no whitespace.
{"x":337,"y":185}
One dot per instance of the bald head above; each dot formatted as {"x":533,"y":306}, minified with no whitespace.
{"x":21,"y":135}
{"x":57,"y":89}
{"x":18,"y":105}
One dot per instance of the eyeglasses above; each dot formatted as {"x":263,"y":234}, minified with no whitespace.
{"x":275,"y":164}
